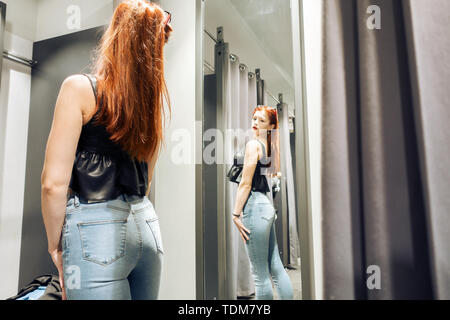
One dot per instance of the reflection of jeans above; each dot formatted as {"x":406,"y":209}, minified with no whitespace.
{"x":111,"y":250}
{"x":262,"y":248}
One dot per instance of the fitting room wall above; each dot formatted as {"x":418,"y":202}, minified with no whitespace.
{"x":312,"y":21}
{"x":175,"y":182}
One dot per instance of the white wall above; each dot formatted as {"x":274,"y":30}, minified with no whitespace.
{"x":14,"y":110}
{"x":21,"y":18}
{"x":312,"y":20}
{"x":175,"y":183}
{"x":58,"y":17}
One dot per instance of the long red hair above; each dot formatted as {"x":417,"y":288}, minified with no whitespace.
{"x":129,"y":66}
{"x":273,"y":140}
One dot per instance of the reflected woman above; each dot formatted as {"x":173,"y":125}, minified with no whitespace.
{"x":254,"y":214}
{"x":102,"y":230}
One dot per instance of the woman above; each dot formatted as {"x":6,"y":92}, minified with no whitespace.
{"x":103,"y":233}
{"x":257,"y":227}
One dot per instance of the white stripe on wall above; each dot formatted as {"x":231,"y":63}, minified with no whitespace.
{"x":15,"y":103}
{"x":312,"y":20}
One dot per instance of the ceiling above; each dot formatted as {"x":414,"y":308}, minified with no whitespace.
{"x":259,"y":33}
{"x":270,"y":21}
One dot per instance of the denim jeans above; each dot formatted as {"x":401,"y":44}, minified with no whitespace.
{"x":259,"y":217}
{"x":111,"y":250}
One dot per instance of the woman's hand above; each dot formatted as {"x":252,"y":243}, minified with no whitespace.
{"x":57,"y":260}
{"x":241,"y":228}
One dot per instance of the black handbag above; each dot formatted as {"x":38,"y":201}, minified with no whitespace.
{"x":52,"y":291}
{"x":235,"y":172}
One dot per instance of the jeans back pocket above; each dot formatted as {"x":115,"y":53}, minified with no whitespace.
{"x":154,"y":226}
{"x":103,"y":242}
{"x":266,"y":210}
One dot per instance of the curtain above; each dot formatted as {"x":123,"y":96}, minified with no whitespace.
{"x":241,"y":99}
{"x":385,"y":150}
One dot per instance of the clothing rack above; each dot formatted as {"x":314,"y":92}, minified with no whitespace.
{"x":17,"y":58}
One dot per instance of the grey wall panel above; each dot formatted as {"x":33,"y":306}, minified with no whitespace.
{"x":57,"y":58}
{"x":2,"y":109}
{"x":2,"y":31}
{"x":210,"y":195}
{"x":294,"y":167}
{"x":426,"y":24}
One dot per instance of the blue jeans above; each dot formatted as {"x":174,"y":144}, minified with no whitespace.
{"x":262,"y":248}
{"x":111,"y":250}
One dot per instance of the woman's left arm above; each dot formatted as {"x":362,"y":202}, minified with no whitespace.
{"x":59,"y":156}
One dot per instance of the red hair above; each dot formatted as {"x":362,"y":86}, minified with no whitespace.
{"x":129,"y":66}
{"x":272,"y":138}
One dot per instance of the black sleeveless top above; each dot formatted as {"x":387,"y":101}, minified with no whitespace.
{"x":102,"y":170}
{"x":259,"y":182}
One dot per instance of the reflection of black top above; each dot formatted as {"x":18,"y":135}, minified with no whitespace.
{"x":102,"y":170}
{"x":259,"y":182}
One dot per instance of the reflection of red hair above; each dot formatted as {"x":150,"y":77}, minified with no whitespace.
{"x":130,"y":70}
{"x":273,"y":140}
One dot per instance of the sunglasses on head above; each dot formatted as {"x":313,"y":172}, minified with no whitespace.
{"x":168,"y":17}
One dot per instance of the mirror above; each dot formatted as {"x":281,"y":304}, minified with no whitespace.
{"x":248,"y":61}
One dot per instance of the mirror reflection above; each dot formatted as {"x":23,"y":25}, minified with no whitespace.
{"x":249,"y":99}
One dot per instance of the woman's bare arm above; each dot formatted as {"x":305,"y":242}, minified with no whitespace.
{"x":250,"y":161}
{"x":60,"y":154}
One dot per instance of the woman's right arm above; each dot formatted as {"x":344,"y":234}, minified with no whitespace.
{"x":250,"y":161}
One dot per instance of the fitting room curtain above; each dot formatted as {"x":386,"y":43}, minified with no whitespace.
{"x":385,"y":149}
{"x":288,"y":180}
{"x":241,"y":99}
